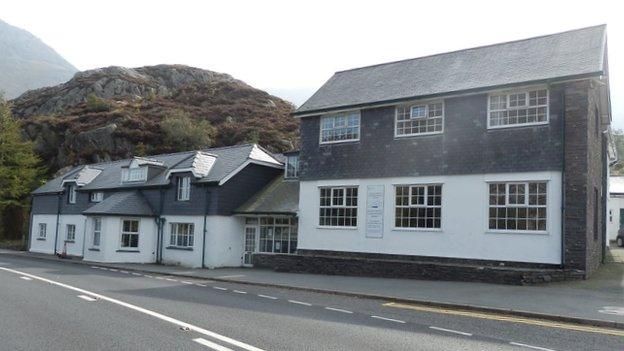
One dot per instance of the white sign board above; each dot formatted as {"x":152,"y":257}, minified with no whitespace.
{"x":374,"y":211}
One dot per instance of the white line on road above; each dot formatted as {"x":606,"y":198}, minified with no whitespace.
{"x":337,"y":310}
{"x":87,"y":298}
{"x":144,"y":311}
{"x":202,"y":285}
{"x":239,"y":291}
{"x":388,"y":319}
{"x":26,"y":278}
{"x":95,"y":267}
{"x":219,"y":288}
{"x":124,"y":272}
{"x":148,"y":276}
{"x":231,"y":276}
{"x":530,"y":346}
{"x":185,"y":282}
{"x":211,"y":344}
{"x":170,"y":280}
{"x":267,"y":297}
{"x":113,"y":270}
{"x":450,"y":331}
{"x":137,"y":274}
{"x":300,"y":303}
{"x":161,"y":278}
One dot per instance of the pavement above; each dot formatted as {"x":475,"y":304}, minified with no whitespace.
{"x":598,"y":301}
{"x":53,"y":305}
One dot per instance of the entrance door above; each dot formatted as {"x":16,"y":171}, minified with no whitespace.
{"x":250,"y":245}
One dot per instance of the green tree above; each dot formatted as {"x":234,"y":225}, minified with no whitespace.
{"x":19,"y":172}
{"x":183,"y":133}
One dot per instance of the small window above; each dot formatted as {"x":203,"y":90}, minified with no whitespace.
{"x":182,"y":235}
{"x":292,"y":166}
{"x":338,"y":207}
{"x":418,"y":206}
{"x":71,"y":232}
{"x":184,"y":188}
{"x":43,"y":228}
{"x":97,"y":196}
{"x":130,"y":233}
{"x":71,"y":194}
{"x":136,"y":174}
{"x":518,"y":108}
{"x":340,"y":128}
{"x":426,"y":118}
{"x":517,"y":206}
{"x":97,"y":231}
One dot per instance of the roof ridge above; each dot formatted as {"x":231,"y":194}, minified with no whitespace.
{"x":471,"y":48}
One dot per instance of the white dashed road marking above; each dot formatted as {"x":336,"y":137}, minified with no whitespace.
{"x":450,"y":331}
{"x":530,"y":346}
{"x":219,"y":288}
{"x":113,"y":270}
{"x":211,"y":345}
{"x":388,"y":319}
{"x":124,"y":272}
{"x":137,"y":274}
{"x":26,"y":278}
{"x":202,"y":285}
{"x":170,"y":280}
{"x":300,"y":303}
{"x":337,"y":310}
{"x":185,"y":282}
{"x":139,"y":309}
{"x":239,"y":292}
{"x":267,"y":297}
{"x":231,"y":276}
{"x":87,"y":298}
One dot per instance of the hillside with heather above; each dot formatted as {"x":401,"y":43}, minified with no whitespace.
{"x":28,"y":63}
{"x":117,"y":112}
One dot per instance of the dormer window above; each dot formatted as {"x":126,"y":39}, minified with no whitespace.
{"x":97,"y":196}
{"x":184,"y":188}
{"x":71,"y":194}
{"x":292,"y":166}
{"x":138,"y":174}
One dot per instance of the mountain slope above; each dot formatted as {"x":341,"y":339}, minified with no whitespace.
{"x":132,"y":105}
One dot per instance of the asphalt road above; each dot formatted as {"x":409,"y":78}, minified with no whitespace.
{"x":60,"y":306}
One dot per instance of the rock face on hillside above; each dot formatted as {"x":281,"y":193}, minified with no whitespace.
{"x":132,"y":104}
{"x":28,"y":63}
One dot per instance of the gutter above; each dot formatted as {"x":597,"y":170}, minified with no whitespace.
{"x":30,"y":224}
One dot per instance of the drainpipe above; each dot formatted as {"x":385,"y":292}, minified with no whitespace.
{"x":206,"y":208}
{"x":58,"y":217}
{"x":605,"y":194}
{"x":30,"y":224}
{"x":159,"y":222}
{"x":563,"y":182}
{"x":84,"y":237}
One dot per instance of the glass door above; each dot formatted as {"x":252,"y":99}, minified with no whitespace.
{"x":250,"y":245}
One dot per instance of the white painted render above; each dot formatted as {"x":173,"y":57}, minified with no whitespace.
{"x":185,"y":258}
{"x":74,"y":248}
{"x":43,"y":245}
{"x":464,"y":232}
{"x":224,"y":241}
{"x":614,"y":204}
{"x":110,"y":249}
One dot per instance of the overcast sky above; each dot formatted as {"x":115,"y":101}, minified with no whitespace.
{"x":290,"y":48}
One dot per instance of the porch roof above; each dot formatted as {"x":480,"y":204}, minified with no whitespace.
{"x":124,"y":203}
{"x":281,"y":196}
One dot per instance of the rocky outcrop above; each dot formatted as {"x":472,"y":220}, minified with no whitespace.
{"x":66,"y":130}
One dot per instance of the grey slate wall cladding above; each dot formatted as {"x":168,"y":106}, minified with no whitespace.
{"x":45,"y":204}
{"x":465,"y":147}
{"x":243,"y":186}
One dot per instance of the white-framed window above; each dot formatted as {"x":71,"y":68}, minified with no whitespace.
{"x":278,"y":235}
{"x":70,"y":232}
{"x":135,"y":174}
{"x":517,"y":108}
{"x":292,"y":166}
{"x":420,"y":118}
{"x":43,"y":229}
{"x":182,"y":234}
{"x":184,"y":188}
{"x":130,"y":233}
{"x":418,"y":206}
{"x":97,"y":231}
{"x":340,"y":127}
{"x":518,"y":206}
{"x":338,"y":206}
{"x":97,"y":196}
{"x":71,"y":194}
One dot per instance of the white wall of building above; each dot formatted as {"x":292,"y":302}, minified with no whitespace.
{"x":39,"y":244}
{"x":76,"y":247}
{"x":188,"y":258}
{"x":464,"y":232}
{"x":110,"y":249}
{"x":224,"y":241}
{"x":614,"y":204}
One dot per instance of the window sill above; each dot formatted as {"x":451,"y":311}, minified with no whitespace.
{"x":417,"y":135}
{"x":41,"y":239}
{"x":324,"y":143}
{"x":128,"y":250}
{"x":400,"y":229}
{"x":179,"y":248}
{"x":530,"y":232}
{"x":94,"y":249}
{"x":519,"y":125}
{"x":336,"y":227}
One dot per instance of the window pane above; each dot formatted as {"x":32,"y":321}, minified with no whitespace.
{"x":523,"y":108}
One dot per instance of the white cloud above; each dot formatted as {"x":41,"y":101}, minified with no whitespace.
{"x":295,"y":46}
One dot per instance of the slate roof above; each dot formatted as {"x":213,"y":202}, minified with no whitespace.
{"x":573,"y":53}
{"x":126,"y":203}
{"x":280,"y":196}
{"x":228,"y":159}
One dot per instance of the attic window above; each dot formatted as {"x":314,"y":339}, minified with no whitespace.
{"x":419,"y":119}
{"x":340,"y":128}
{"x":138,"y":174}
{"x":292,"y":166}
{"x":518,"y":108}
